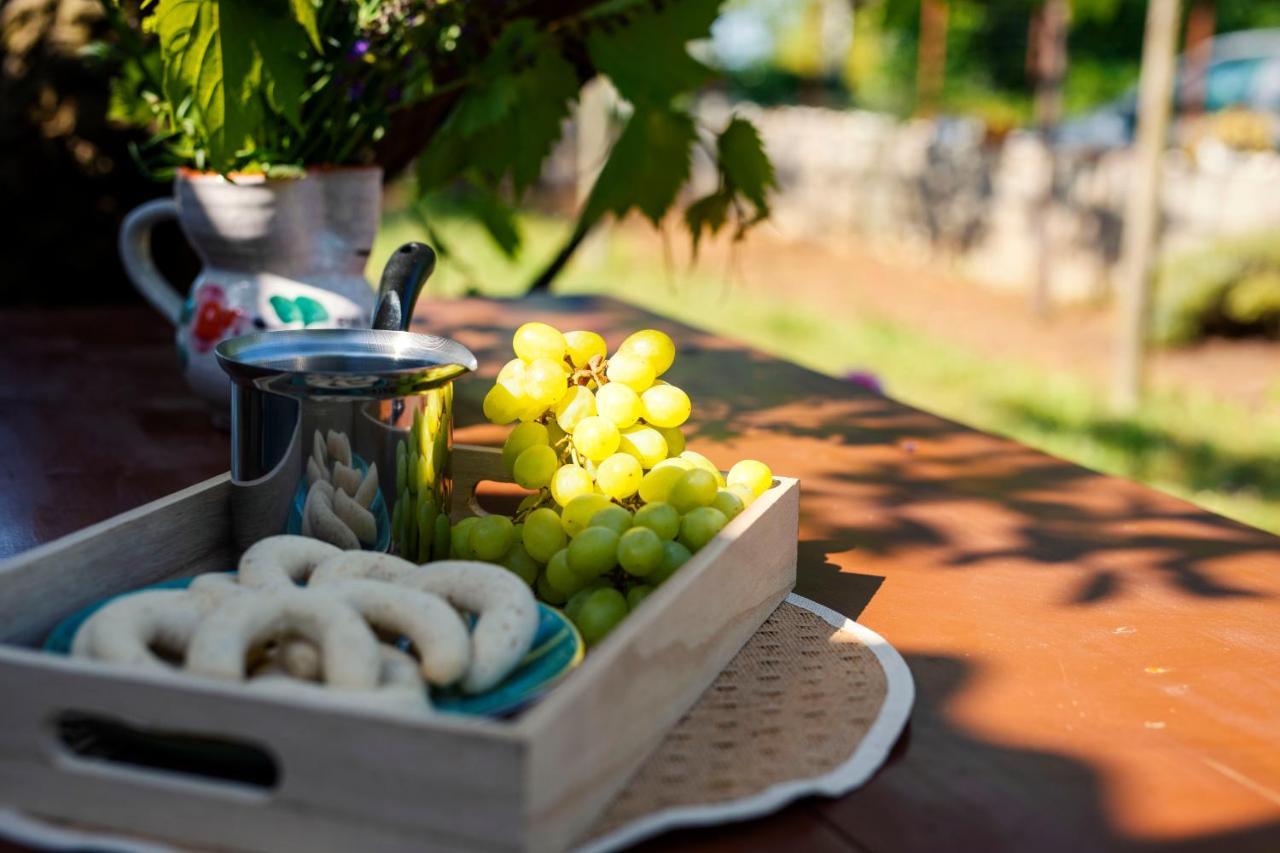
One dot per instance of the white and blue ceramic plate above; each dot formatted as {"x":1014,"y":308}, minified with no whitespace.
{"x":557,"y":648}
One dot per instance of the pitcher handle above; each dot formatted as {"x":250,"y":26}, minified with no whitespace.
{"x":135,"y":253}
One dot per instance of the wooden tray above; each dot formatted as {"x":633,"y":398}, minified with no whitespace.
{"x":338,"y":779}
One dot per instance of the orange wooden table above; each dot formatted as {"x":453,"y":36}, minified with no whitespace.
{"x":1097,"y":664}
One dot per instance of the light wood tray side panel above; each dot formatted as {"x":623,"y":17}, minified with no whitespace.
{"x":595,"y":730}
{"x":349,"y":779}
{"x":183,"y":533}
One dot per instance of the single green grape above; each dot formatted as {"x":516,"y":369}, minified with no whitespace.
{"x":569,"y":481}
{"x":461,"y":538}
{"x":533,"y":341}
{"x":545,"y":383}
{"x":502,"y":406}
{"x":665,"y":406}
{"x":614,"y":517}
{"x":491,"y":537}
{"x":756,"y":476}
{"x":743,"y":492}
{"x":654,"y":346}
{"x":700,"y":525}
{"x":583,"y":346}
{"x":637,"y":594}
{"x":575,"y":601}
{"x":657,"y":484}
{"x":535,"y":466}
{"x":593,"y":552}
{"x":700,"y":461}
{"x":674,"y":555}
{"x":618,"y":403}
{"x":694,"y":489}
{"x":543,"y":534}
{"x":596,"y":438}
{"x":521,"y":563}
{"x":659,"y":517}
{"x":578,"y":512}
{"x":577,"y":403}
{"x":619,"y":476}
{"x":520,"y":439}
{"x":512,"y":376}
{"x":645,"y":443}
{"x":675,"y":462}
{"x":562,"y":578}
{"x":674,"y":438}
{"x":546,"y":592}
{"x":598,"y":615}
{"x":640,"y":551}
{"x":634,"y":371}
{"x":728,"y":503}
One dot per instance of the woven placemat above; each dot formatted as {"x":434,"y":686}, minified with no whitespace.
{"x":810,"y":705}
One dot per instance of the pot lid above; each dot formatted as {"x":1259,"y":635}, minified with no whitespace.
{"x":346,"y":363}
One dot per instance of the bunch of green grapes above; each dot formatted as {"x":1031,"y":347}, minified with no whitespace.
{"x":619,"y":504}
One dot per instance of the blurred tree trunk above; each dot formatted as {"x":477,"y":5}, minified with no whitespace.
{"x":1197,"y":50}
{"x":931,"y":55}
{"x":1142,"y":211}
{"x":1048,"y":47}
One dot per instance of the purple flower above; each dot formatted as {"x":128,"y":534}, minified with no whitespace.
{"x":865,"y":379}
{"x":356,"y":90}
{"x":394,"y":94}
{"x":359,"y":49}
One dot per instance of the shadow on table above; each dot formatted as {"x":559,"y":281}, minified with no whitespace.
{"x":1011,"y":799}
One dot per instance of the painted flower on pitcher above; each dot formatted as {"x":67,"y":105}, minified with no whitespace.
{"x":214,"y":318}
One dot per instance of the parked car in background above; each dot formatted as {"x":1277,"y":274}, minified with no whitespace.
{"x":1243,"y":72}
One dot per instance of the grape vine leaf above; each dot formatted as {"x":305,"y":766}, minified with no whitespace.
{"x":508,"y":126}
{"x":707,"y":213}
{"x":745,"y":164}
{"x":646,"y":168}
{"x":646,"y":57}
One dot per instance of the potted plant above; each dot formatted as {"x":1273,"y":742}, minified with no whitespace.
{"x":278,"y":120}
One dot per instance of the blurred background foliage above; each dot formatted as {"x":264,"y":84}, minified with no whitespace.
{"x":986,"y":70}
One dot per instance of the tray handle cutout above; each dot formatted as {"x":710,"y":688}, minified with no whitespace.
{"x":99,"y":739}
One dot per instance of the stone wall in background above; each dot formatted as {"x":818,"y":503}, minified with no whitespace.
{"x":942,"y":190}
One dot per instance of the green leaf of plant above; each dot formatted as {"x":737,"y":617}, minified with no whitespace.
{"x":215,"y":71}
{"x":743,"y":162}
{"x":229,"y":59}
{"x":279,"y":45}
{"x":498,"y":219}
{"x":645,"y":169}
{"x":644,"y":54}
{"x":506,"y":124}
{"x":304,"y":12}
{"x":710,"y":213}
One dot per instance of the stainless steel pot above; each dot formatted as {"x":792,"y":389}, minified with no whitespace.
{"x":345,"y":435}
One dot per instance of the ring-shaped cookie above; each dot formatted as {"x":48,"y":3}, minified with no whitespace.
{"x":437,"y":632}
{"x":129,"y":629}
{"x":506,"y":611}
{"x":348,"y":649}
{"x":282,"y":562}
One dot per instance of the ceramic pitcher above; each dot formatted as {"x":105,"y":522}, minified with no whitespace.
{"x":275,"y":254}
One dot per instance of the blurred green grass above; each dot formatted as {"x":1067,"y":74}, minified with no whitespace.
{"x":1216,"y":454}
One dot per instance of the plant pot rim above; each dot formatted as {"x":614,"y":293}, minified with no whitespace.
{"x":188,"y":173}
